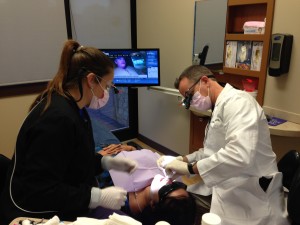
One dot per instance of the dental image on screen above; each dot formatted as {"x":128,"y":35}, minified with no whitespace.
{"x":135,"y":67}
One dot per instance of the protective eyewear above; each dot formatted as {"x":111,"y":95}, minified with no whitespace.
{"x":188,"y":95}
{"x":109,"y":85}
{"x":164,"y":191}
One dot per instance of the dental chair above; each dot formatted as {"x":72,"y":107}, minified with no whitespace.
{"x":293,"y":201}
{"x":289,"y":165}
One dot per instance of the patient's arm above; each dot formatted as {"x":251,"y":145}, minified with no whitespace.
{"x":115,"y":149}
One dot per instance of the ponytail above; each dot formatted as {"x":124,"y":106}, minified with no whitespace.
{"x":75,"y":63}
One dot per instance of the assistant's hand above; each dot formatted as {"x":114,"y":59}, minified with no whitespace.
{"x":112,"y":197}
{"x":120,"y":164}
{"x":176,"y":167}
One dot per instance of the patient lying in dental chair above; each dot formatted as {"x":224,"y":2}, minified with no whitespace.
{"x":151,"y":197}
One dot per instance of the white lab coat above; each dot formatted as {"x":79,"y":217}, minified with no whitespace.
{"x":237,"y":152}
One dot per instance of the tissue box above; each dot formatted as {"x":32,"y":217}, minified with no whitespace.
{"x":254,"y":27}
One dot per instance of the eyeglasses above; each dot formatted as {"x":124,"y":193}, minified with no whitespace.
{"x":188,"y":95}
{"x":109,"y":85}
{"x":164,"y":191}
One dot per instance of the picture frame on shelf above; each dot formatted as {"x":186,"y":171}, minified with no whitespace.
{"x":230,"y":55}
{"x":257,"y":50}
{"x":243,"y":56}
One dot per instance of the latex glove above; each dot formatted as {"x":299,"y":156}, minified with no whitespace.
{"x":164,"y":160}
{"x":180,"y":158}
{"x":112,"y":197}
{"x":119,"y":163}
{"x":177,"y":167}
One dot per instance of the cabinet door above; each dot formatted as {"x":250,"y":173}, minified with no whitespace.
{"x":197,"y":132}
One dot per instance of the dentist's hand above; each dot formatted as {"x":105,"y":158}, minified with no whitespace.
{"x":176,"y":167}
{"x":164,"y":160}
{"x":120,"y":164}
{"x":180,"y":158}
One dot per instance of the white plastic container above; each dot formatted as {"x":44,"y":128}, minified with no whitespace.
{"x":162,"y":223}
{"x":210,"y":219}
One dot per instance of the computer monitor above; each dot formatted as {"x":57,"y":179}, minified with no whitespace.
{"x":135,"y":67}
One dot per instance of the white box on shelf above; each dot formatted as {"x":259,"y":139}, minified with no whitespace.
{"x":254,"y":27}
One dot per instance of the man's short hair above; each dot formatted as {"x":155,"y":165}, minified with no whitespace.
{"x":193,"y":73}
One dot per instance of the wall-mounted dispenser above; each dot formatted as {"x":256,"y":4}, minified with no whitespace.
{"x":281,"y":49}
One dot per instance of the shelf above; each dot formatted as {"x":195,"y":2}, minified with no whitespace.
{"x":245,"y":2}
{"x":245,"y":37}
{"x":249,"y":73}
{"x":238,"y":14}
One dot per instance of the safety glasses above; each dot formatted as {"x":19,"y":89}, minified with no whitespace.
{"x":188,"y":95}
{"x":164,"y":191}
{"x":109,"y":85}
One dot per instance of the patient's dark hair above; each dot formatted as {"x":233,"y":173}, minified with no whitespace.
{"x":174,"y":210}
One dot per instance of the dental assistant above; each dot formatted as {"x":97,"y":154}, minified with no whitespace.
{"x":54,"y":165}
{"x":237,"y":161}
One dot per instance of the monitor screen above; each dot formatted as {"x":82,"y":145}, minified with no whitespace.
{"x":135,"y":67}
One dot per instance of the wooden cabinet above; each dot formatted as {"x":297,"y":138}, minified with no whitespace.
{"x":197,"y":131}
{"x":238,"y":12}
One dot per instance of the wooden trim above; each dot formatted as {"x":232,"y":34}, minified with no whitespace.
{"x":240,"y":72}
{"x":245,"y":37}
{"x":22,"y":89}
{"x":245,"y":2}
{"x":156,"y":146}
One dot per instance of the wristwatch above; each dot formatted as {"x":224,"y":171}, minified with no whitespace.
{"x":190,"y":168}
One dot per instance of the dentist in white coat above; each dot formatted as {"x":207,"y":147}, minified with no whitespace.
{"x":237,"y":161}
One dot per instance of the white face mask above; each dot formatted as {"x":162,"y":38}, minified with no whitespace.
{"x":97,"y":103}
{"x":200,"y":102}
